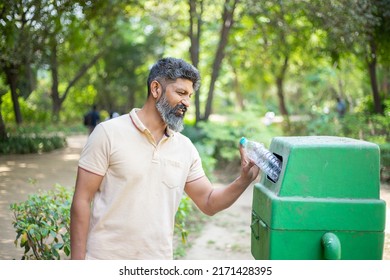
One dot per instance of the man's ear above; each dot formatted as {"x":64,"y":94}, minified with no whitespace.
{"x":155,"y":89}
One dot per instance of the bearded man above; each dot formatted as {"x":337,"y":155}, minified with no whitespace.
{"x":134,"y":169}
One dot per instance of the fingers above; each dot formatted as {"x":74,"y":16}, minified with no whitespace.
{"x":251,"y":165}
{"x":248,"y":167}
{"x":244,"y":158}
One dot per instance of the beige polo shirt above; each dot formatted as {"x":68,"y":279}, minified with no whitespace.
{"x":134,"y":210}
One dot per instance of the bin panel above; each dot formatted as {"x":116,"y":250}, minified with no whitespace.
{"x":307,"y":245}
{"x":299,"y":213}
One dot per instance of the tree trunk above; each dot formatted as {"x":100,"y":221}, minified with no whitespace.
{"x":3,"y":130}
{"x":194,"y":34}
{"x":385,"y":85}
{"x":237,"y":90}
{"x":373,"y":79}
{"x":12,"y":80}
{"x":280,"y":91}
{"x":55,"y":95}
{"x":227,"y":23}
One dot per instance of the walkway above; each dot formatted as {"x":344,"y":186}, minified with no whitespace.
{"x":21,"y":175}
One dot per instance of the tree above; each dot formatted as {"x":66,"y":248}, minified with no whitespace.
{"x":195,"y":30}
{"x":377,"y":33}
{"x":18,"y":46}
{"x":67,"y":37}
{"x":284,"y":31}
{"x":361,"y":27}
{"x":76,"y":35}
{"x":122,"y":71}
{"x":226,"y":26}
{"x":3,"y":130}
{"x":178,"y":28}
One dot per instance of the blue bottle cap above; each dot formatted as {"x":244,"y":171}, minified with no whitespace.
{"x":243,"y":141}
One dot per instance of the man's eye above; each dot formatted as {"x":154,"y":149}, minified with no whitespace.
{"x":184,"y":94}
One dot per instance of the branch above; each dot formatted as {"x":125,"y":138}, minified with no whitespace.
{"x":84,"y":68}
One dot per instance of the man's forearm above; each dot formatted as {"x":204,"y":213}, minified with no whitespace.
{"x":223,"y":198}
{"x":79,"y":225}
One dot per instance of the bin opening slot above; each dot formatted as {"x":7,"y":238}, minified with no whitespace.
{"x":281,"y":161}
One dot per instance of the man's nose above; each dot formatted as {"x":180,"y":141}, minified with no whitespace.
{"x":186,"y":102}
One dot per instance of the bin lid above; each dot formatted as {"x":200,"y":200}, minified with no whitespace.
{"x":326,"y":166}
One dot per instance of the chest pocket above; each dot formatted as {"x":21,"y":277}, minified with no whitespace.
{"x":173,"y":174}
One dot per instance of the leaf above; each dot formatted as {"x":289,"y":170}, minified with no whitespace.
{"x":23,"y":239}
{"x":58,"y":246}
{"x":184,"y":235}
{"x":26,"y":248}
{"x":67,"y":250}
{"x":55,"y":253}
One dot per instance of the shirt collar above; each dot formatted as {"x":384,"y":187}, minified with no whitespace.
{"x":141,"y":127}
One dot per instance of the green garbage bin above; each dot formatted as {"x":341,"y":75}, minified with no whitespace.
{"x":325,"y":204}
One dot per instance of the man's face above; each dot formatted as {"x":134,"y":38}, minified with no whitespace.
{"x":173,"y":103}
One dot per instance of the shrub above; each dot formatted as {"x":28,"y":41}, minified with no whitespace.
{"x":42,"y":224}
{"x":373,"y":128}
{"x":28,"y":144}
{"x":385,"y":161}
{"x":185,"y":208}
{"x":188,"y":220}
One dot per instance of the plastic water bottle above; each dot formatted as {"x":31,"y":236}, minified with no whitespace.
{"x":264,"y":159}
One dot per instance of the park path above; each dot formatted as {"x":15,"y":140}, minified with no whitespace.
{"x":224,"y":236}
{"x":21,"y":175}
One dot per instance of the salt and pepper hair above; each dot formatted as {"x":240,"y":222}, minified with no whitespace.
{"x":171,"y":69}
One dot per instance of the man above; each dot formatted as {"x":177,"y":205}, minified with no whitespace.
{"x":134,"y":169}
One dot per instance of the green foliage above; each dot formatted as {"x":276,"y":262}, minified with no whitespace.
{"x":80,"y":101}
{"x":42,"y":224}
{"x":28,"y":108}
{"x":360,"y":124}
{"x":373,"y":128}
{"x":185,"y":209}
{"x":32,"y":143}
{"x":217,"y":141}
{"x":385,"y":154}
{"x":385,"y":162}
{"x":38,"y":137}
{"x":47,"y":129}
{"x":188,"y":222}
{"x":325,"y":42}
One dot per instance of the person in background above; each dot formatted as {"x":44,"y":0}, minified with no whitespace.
{"x":134,"y":170}
{"x":340,"y":107}
{"x":92,"y":118}
{"x":112,"y":115}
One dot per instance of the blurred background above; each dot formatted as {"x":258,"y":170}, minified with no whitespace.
{"x":292,"y":59}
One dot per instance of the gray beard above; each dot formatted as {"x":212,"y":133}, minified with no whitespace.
{"x":168,"y":114}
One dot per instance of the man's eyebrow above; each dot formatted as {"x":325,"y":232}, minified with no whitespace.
{"x":178,"y":88}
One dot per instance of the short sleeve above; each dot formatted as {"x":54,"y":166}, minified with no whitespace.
{"x":96,"y":152}
{"x":196,"y":169}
